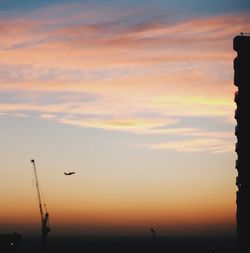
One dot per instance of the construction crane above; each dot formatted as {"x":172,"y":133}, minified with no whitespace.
{"x":43,"y":213}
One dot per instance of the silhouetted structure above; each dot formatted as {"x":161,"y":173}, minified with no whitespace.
{"x":153,"y":233}
{"x":10,"y":243}
{"x":241,"y":45}
{"x":155,"y":244}
{"x":44,"y":217}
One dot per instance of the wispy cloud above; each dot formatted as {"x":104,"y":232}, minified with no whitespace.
{"x":130,"y":67}
{"x":211,"y":145}
{"x":48,"y":116}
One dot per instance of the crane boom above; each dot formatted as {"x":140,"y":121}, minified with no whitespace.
{"x":44,"y":217}
{"x":38,"y":191}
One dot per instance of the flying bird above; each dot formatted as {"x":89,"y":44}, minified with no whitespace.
{"x":69,"y":173}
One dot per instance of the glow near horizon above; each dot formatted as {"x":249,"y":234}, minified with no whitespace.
{"x":140,"y":105}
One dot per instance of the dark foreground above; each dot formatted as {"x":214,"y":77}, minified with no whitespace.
{"x":129,"y":244}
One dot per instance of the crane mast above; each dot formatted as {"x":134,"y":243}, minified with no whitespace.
{"x":44,"y":216}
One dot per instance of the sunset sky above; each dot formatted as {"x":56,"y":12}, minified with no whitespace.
{"x":136,"y":97}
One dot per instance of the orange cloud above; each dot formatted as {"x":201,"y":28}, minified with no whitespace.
{"x":90,"y":44}
{"x":167,"y":69}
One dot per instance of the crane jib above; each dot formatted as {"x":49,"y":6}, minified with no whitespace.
{"x":44,"y":217}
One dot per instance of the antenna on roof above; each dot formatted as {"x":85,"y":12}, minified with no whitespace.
{"x":242,"y":34}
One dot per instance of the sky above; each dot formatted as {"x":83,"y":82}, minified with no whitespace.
{"x":137,"y":98}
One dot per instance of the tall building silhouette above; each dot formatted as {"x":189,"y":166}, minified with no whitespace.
{"x":241,"y":45}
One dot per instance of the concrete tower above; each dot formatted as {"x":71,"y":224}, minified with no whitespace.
{"x":241,"y":45}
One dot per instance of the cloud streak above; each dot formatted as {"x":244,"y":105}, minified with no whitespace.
{"x":165,"y":67}
{"x":209,"y":145}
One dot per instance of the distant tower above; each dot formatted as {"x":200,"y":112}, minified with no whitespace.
{"x":241,"y":45}
{"x":153,"y":233}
